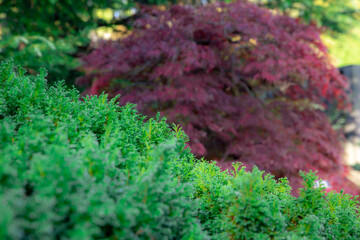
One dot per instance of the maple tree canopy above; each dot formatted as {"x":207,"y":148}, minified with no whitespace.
{"x":245,"y":84}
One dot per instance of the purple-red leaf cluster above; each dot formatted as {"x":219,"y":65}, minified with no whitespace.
{"x":245,"y":84}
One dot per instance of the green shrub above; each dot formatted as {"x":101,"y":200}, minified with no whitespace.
{"x":89,"y":169}
{"x":85,"y":169}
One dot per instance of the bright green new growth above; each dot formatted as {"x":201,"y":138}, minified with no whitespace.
{"x":89,"y":169}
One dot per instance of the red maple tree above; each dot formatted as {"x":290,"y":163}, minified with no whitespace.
{"x":245,"y":84}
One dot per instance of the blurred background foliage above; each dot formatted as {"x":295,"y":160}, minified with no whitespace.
{"x":53,"y":33}
{"x":337,"y":16}
{"x":344,"y":48}
{"x":340,"y":20}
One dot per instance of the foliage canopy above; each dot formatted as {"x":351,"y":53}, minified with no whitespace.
{"x":246,"y":85}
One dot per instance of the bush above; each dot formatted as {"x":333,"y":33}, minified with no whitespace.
{"x":245,"y":84}
{"x":90,"y":169}
{"x":86,"y":169}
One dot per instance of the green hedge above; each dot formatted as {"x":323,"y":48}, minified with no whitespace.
{"x":89,"y":169}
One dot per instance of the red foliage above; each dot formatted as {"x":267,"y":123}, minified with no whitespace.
{"x":243,"y":83}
